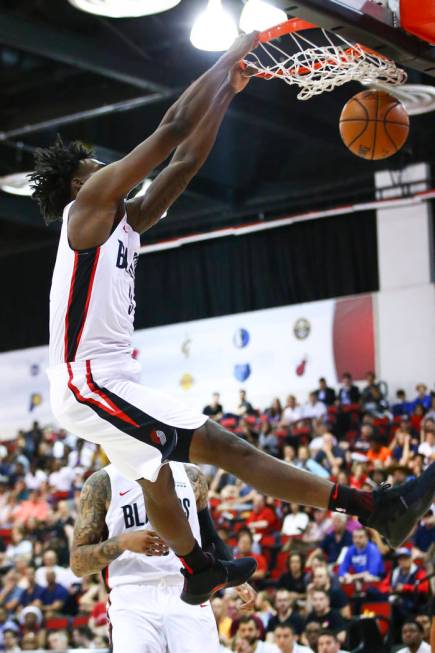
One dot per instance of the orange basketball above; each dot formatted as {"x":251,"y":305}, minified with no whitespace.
{"x":374,"y":125}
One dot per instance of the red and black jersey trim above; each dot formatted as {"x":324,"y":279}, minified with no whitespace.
{"x":82,"y":281}
{"x":173,"y":443}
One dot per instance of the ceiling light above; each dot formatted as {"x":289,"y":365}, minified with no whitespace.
{"x":214,"y":29}
{"x":17,"y":184}
{"x":142,"y":191}
{"x":260,"y":15}
{"x":124,"y":8}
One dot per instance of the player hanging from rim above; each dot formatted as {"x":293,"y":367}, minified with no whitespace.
{"x":94,"y":382}
{"x":112,"y":535}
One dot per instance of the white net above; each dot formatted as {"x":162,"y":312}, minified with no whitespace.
{"x":319,"y":68}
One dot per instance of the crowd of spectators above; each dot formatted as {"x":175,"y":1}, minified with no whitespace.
{"x":317,"y":574}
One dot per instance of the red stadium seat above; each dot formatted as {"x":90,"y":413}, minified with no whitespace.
{"x":382,"y":612}
{"x":57,"y":623}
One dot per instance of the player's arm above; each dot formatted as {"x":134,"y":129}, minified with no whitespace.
{"x":91,"y":551}
{"x":97,"y":203}
{"x":189,"y":157}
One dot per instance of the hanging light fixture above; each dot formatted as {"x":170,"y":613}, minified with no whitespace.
{"x":124,"y":8}
{"x":260,"y":15}
{"x":214,"y":29}
{"x":16,"y":184}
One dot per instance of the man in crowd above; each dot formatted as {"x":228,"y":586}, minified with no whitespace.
{"x":53,"y":596}
{"x":339,"y":538}
{"x":248,"y":630}
{"x":323,"y":614}
{"x":324,"y":393}
{"x":245,"y":541}
{"x":311,"y":635}
{"x":337,"y":598}
{"x":214,"y":409}
{"x":285,"y":613}
{"x":363,"y":560}
{"x":412,"y":637}
{"x":285,"y":640}
{"x":329,"y":642}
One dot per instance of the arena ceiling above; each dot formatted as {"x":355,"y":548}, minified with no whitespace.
{"x":108,"y":82}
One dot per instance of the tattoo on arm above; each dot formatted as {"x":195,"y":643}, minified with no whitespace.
{"x":199,"y":485}
{"x":89,"y":554}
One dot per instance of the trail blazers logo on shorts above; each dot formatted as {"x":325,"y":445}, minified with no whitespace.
{"x":158,"y":437}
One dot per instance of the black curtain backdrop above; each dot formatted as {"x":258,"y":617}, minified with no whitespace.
{"x":304,"y":262}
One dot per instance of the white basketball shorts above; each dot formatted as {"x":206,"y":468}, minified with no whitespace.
{"x":152,"y":618}
{"x":139,"y":428}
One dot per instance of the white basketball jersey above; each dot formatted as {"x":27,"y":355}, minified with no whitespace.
{"x":92,"y":297}
{"x":126,"y":513}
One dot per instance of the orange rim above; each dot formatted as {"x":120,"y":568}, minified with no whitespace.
{"x":288,"y":27}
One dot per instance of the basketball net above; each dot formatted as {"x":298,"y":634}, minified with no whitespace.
{"x":318,"y":68}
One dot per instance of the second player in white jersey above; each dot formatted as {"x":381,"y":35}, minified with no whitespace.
{"x":126,"y":513}
{"x":144,"y":606}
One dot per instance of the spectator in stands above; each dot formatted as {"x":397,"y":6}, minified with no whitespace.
{"x":274,"y":412}
{"x":63,"y":576}
{"x":431,"y":412}
{"x":424,"y":535}
{"x":377,"y":405}
{"x":304,"y":461}
{"x":32,"y":592}
{"x":58,"y":641}
{"x":362,"y":443}
{"x":292,"y":412}
{"x":285,"y":640}
{"x":412,"y":637}
{"x":18,"y":547}
{"x":214,"y":409}
{"x":424,"y":619}
{"x":244,"y":549}
{"x":313,"y":409}
{"x":248,"y":630}
{"x":35,"y":476}
{"x":6,"y":623}
{"x":363,"y":560}
{"x":53,"y":596}
{"x":324,"y":393}
{"x":337,"y":598}
{"x":267,"y":440}
{"x":311,"y":634}
{"x":244,"y":407}
{"x":401,"y":445}
{"x":367,"y":393}
{"x":286,"y":614}
{"x":427,"y":441}
{"x":10,"y":641}
{"x":323,"y":614}
{"x":330,"y":455}
{"x":402,"y":407}
{"x":35,"y":506}
{"x":423,"y":397}
{"x":377,"y":452}
{"x":328,"y":642}
{"x":296,"y":522}
{"x":262,"y":520}
{"x":29,"y":642}
{"x":406,"y":587}
{"x":223,"y":621}
{"x":348,"y":392}
{"x":10,"y":595}
{"x":339,"y":538}
{"x":294,"y":580}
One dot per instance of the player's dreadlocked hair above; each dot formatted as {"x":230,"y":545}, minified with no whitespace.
{"x":50,"y":181}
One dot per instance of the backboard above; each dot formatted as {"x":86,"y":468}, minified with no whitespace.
{"x":374,"y":23}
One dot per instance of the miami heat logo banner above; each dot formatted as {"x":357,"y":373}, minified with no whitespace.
{"x":269,"y":353}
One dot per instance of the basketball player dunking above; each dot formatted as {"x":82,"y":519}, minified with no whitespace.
{"x":94,"y":382}
{"x":112,"y":534}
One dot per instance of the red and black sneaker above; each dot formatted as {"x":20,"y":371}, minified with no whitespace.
{"x":199,"y":587}
{"x":397,"y":510}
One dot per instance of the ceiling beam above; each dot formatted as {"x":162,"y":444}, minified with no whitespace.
{"x":81,"y":52}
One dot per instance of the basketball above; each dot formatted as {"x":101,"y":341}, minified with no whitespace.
{"x":374,"y":125}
